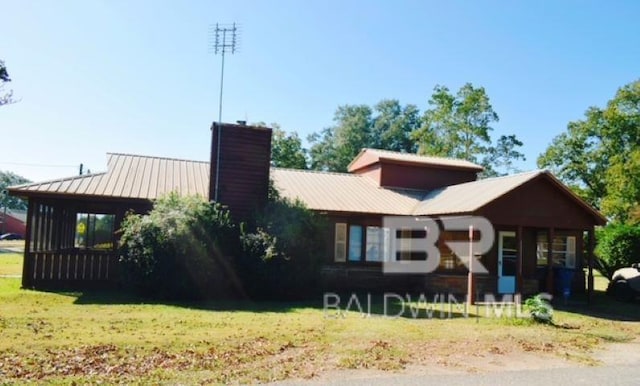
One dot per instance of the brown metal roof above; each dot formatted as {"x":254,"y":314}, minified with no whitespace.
{"x":368,"y":157}
{"x":143,"y":177}
{"x":130,"y":176}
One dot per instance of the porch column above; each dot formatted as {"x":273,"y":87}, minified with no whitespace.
{"x":519,"y":260}
{"x":590,"y":246}
{"x":550,"y":235}
{"x":27,"y":263}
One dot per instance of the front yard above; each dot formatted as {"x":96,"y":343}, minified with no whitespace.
{"x":92,"y":337}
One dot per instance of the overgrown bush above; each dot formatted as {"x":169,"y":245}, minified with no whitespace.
{"x":618,"y":246}
{"x":283,"y":250}
{"x":180,"y":250}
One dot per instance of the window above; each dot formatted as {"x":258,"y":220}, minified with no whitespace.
{"x":404,"y":241}
{"x":355,"y":243}
{"x":94,"y":231}
{"x":341,"y":243}
{"x":363,"y":244}
{"x":377,"y":244}
{"x":449,"y":260}
{"x":405,"y":244}
{"x":563,"y":251}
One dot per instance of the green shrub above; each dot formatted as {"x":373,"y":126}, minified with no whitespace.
{"x":180,"y":250}
{"x":283,"y":250}
{"x":540,"y":309}
{"x":618,"y":246}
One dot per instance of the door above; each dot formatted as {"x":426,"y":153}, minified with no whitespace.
{"x":507,"y":262}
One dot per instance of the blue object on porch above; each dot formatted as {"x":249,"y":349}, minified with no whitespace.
{"x":564,"y":278}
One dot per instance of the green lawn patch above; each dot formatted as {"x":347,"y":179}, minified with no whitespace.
{"x":10,"y":264}
{"x":106,"y":337}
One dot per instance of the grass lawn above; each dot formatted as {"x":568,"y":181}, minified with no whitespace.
{"x":94,"y":337}
{"x":11,"y":257}
{"x":10,"y":264}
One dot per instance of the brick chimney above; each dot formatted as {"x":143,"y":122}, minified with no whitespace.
{"x":239,"y":175}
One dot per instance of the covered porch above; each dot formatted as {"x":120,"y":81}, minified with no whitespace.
{"x":73,"y":243}
{"x":543,"y":231}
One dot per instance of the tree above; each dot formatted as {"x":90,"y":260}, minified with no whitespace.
{"x":502,"y":156}
{"x":9,"y":179}
{"x":388,"y":126}
{"x":335,"y":147}
{"x":392,"y":126}
{"x":287,"y":150}
{"x":600,"y":155}
{"x":618,"y":246}
{"x":459,"y":126}
{"x":5,"y":98}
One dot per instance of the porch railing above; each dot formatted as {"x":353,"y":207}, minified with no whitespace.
{"x":72,"y":269}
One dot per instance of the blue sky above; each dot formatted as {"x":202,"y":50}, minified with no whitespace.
{"x":137,"y":76}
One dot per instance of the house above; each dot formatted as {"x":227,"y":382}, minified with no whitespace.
{"x":539,"y":224}
{"x":13,"y":221}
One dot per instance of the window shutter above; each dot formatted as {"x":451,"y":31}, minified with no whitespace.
{"x":340,"y":252}
{"x":570,"y":261}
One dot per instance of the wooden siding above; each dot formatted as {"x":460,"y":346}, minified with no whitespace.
{"x":538,"y":203}
{"x":243,"y":180}
{"x":422,"y":177}
{"x":373,"y":172}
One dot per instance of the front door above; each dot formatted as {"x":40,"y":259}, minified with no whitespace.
{"x":507,"y":256}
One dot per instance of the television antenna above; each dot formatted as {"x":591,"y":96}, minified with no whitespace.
{"x":223,"y":39}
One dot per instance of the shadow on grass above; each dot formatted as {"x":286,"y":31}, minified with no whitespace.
{"x":601,"y":306}
{"x":362,"y":304}
{"x":114,"y":297}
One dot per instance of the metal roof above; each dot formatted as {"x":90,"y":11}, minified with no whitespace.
{"x":143,"y":177}
{"x":131,"y":176}
{"x":471,"y":196}
{"x":368,"y":157}
{"x":342,"y":192}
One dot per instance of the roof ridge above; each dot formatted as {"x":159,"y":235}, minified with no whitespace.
{"x":156,"y":157}
{"x":420,"y":155}
{"x":398,"y":156}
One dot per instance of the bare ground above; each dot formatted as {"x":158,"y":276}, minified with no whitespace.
{"x":495,"y":360}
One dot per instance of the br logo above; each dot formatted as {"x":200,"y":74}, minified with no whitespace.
{"x":410,"y":235}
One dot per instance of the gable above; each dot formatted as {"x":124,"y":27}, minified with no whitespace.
{"x":541,"y":202}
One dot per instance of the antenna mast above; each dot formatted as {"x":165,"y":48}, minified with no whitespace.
{"x":225,"y":40}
